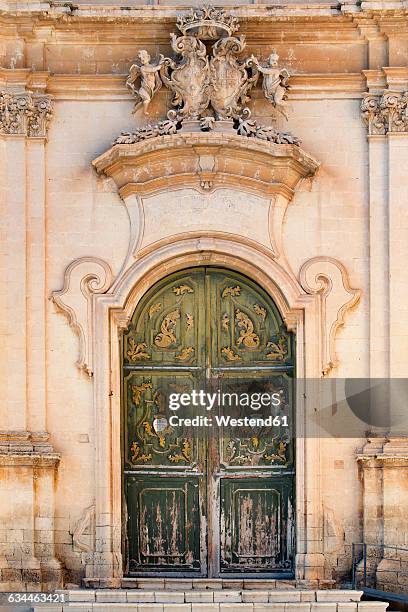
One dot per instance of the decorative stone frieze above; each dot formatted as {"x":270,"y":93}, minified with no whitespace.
{"x":25,"y":113}
{"x":385,"y":113}
{"x":243,"y":127}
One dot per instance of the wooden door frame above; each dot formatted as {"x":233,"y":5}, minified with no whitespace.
{"x":301,"y":313}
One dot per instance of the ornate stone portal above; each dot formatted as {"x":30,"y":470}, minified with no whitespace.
{"x":209,"y":82}
{"x":205,"y":186}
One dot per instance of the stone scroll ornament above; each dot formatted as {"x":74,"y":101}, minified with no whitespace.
{"x":209,"y":81}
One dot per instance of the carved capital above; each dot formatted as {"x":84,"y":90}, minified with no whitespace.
{"x":372,"y":115}
{"x":385,"y":113}
{"x":327,"y":278}
{"x":83,"y":278}
{"x":25,"y":113}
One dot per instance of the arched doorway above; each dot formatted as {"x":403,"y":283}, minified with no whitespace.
{"x":207,"y":500}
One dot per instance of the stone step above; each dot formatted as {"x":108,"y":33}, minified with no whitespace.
{"x":218,"y":600}
{"x":217,"y":607}
{"x":212,"y":596}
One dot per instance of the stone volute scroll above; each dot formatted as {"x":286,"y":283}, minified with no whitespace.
{"x":83,"y":278}
{"x":327,"y":279}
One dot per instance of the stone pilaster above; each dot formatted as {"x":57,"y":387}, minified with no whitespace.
{"x":385,"y":112}
{"x":24,"y":119}
{"x":27,"y":461}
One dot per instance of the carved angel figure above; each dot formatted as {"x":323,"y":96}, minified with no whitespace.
{"x":275,"y":82}
{"x":150,"y":81}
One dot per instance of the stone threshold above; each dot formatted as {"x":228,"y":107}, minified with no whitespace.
{"x":212,"y":596}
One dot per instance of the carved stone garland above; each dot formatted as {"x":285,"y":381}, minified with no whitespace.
{"x":208,"y":84}
{"x":385,"y":113}
{"x":24,"y":113}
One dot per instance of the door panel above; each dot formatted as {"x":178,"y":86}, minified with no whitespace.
{"x":215,"y":501}
{"x":169,"y":326}
{"x":246,"y":327}
{"x":164,"y":523}
{"x":258,"y":447}
{"x":150,"y":442}
{"x":256,"y":524}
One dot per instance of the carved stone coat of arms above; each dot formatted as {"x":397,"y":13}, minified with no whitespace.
{"x":209,"y":80}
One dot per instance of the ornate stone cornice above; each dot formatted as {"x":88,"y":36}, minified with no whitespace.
{"x":386,"y":112}
{"x":205,"y":161}
{"x":25,"y":114}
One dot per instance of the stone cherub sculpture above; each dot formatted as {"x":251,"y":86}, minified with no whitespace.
{"x":150,"y":81}
{"x":275,"y":82}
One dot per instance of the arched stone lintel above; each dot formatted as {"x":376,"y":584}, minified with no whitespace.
{"x":195,"y":249}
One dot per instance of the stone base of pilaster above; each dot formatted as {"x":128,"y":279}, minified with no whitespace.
{"x":28,"y":467}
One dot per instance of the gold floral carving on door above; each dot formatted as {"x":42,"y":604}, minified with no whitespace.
{"x":199,"y":502}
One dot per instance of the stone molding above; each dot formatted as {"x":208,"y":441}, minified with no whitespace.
{"x":392,"y":449}
{"x":25,"y":114}
{"x":83,"y":278}
{"x":35,"y":460}
{"x":159,"y":14}
{"x":328,"y":279}
{"x":113,"y":87}
{"x":385,"y":113}
{"x":25,"y":443}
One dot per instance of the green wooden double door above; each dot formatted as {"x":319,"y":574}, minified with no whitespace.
{"x":208,"y":498}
